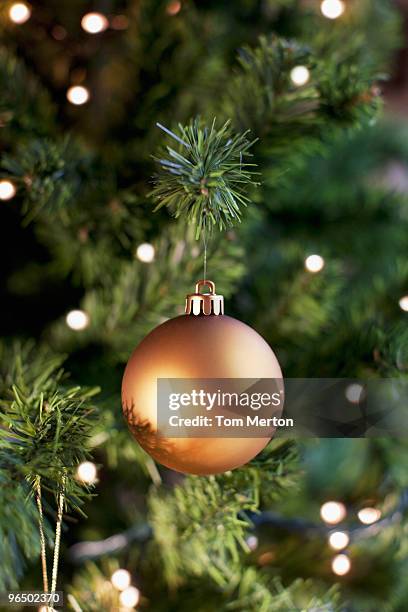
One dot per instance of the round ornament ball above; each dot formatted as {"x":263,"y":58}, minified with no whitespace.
{"x":201,"y":344}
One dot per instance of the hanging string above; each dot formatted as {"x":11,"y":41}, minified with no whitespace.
{"x":205,"y":243}
{"x":61,"y":499}
{"x":42,"y":536}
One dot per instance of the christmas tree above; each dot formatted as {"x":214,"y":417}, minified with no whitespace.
{"x":138,"y":139}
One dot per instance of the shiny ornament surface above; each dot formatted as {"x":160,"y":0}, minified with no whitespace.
{"x":194,"y":346}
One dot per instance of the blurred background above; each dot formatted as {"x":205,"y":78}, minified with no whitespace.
{"x":318,"y":267}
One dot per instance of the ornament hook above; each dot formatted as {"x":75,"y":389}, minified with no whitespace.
{"x":204,"y":303}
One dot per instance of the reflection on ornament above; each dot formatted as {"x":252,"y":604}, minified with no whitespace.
{"x":7,"y":190}
{"x":120,"y":579}
{"x":202,"y":344}
{"x":93,"y":23}
{"x":19,"y":13}
{"x":77,"y":320}
{"x":332,"y":9}
{"x":333,"y":512}
{"x":314,"y":263}
{"x":339,"y":540}
{"x":355,"y":393}
{"x":341,"y":565}
{"x":403,"y":303}
{"x":130,"y":597}
{"x":77,"y":94}
{"x":145,"y":252}
{"x":299,"y":75}
{"x":369,"y":515}
{"x":87,"y":472}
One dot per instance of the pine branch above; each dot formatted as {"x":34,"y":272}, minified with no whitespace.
{"x":205,"y":178}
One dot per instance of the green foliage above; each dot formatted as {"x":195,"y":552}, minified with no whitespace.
{"x":205,"y":179}
{"x":200,"y":527}
{"x":44,"y":428}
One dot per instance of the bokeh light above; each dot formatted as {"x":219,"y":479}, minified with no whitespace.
{"x":145,"y":252}
{"x":87,"y":472}
{"x":299,"y":75}
{"x":7,"y":190}
{"x":77,"y":320}
{"x":339,"y":540}
{"x":314,"y":263}
{"x":333,"y":512}
{"x":120,"y":579}
{"x":332,"y":9}
{"x":77,"y":94}
{"x":369,"y":515}
{"x":403,"y":303}
{"x":341,"y":565}
{"x":130,"y":597}
{"x":19,"y":12}
{"x":93,"y":23}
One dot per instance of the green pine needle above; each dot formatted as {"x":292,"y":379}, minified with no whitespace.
{"x":205,"y":178}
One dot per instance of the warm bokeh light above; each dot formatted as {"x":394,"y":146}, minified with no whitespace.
{"x":93,"y":23}
{"x":130,"y":597}
{"x":145,"y":252}
{"x":120,"y":579}
{"x":7,"y":190}
{"x":87,"y":472}
{"x":299,"y":75}
{"x":369,"y":515}
{"x":403,"y":303}
{"x":77,"y":320}
{"x":355,"y":393}
{"x":314,"y":263}
{"x":173,"y":8}
{"x":339,"y":540}
{"x":333,"y":512}
{"x":332,"y":9}
{"x":19,"y":12}
{"x":341,"y":565}
{"x":77,"y":94}
{"x":252,"y":542}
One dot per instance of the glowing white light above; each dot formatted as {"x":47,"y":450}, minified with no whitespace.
{"x":299,"y":75}
{"x":77,"y":94}
{"x":354,"y":393}
{"x":120,"y":579}
{"x":77,"y":320}
{"x":403,"y":303}
{"x":145,"y":252}
{"x":87,"y":472}
{"x":7,"y":190}
{"x":130,"y":597}
{"x":252,"y":542}
{"x":93,"y":23}
{"x":314,"y":263}
{"x":369,"y":515}
{"x":339,"y":540}
{"x":332,"y":9}
{"x":341,"y":565}
{"x":333,"y":512}
{"x":19,"y":12}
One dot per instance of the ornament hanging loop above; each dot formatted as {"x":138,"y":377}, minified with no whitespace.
{"x":205,"y":283}
{"x":204,"y":303}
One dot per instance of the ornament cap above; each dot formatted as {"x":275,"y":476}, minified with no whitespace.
{"x":204,"y":303}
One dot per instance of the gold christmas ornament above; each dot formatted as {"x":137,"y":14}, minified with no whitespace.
{"x":201,"y":344}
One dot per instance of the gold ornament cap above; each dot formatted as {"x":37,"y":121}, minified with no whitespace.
{"x":204,"y":303}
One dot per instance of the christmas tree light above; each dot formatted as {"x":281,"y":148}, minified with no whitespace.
{"x":314,"y":263}
{"x":341,"y":565}
{"x":94,"y":23}
{"x":299,"y":75}
{"x":332,"y":9}
{"x":78,"y":95}
{"x":369,"y":515}
{"x":333,"y":512}
{"x":77,"y":320}
{"x":87,"y":472}
{"x":7,"y":190}
{"x":339,"y":540}
{"x":145,"y":252}
{"x":121,"y":579}
{"x":19,"y":13}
